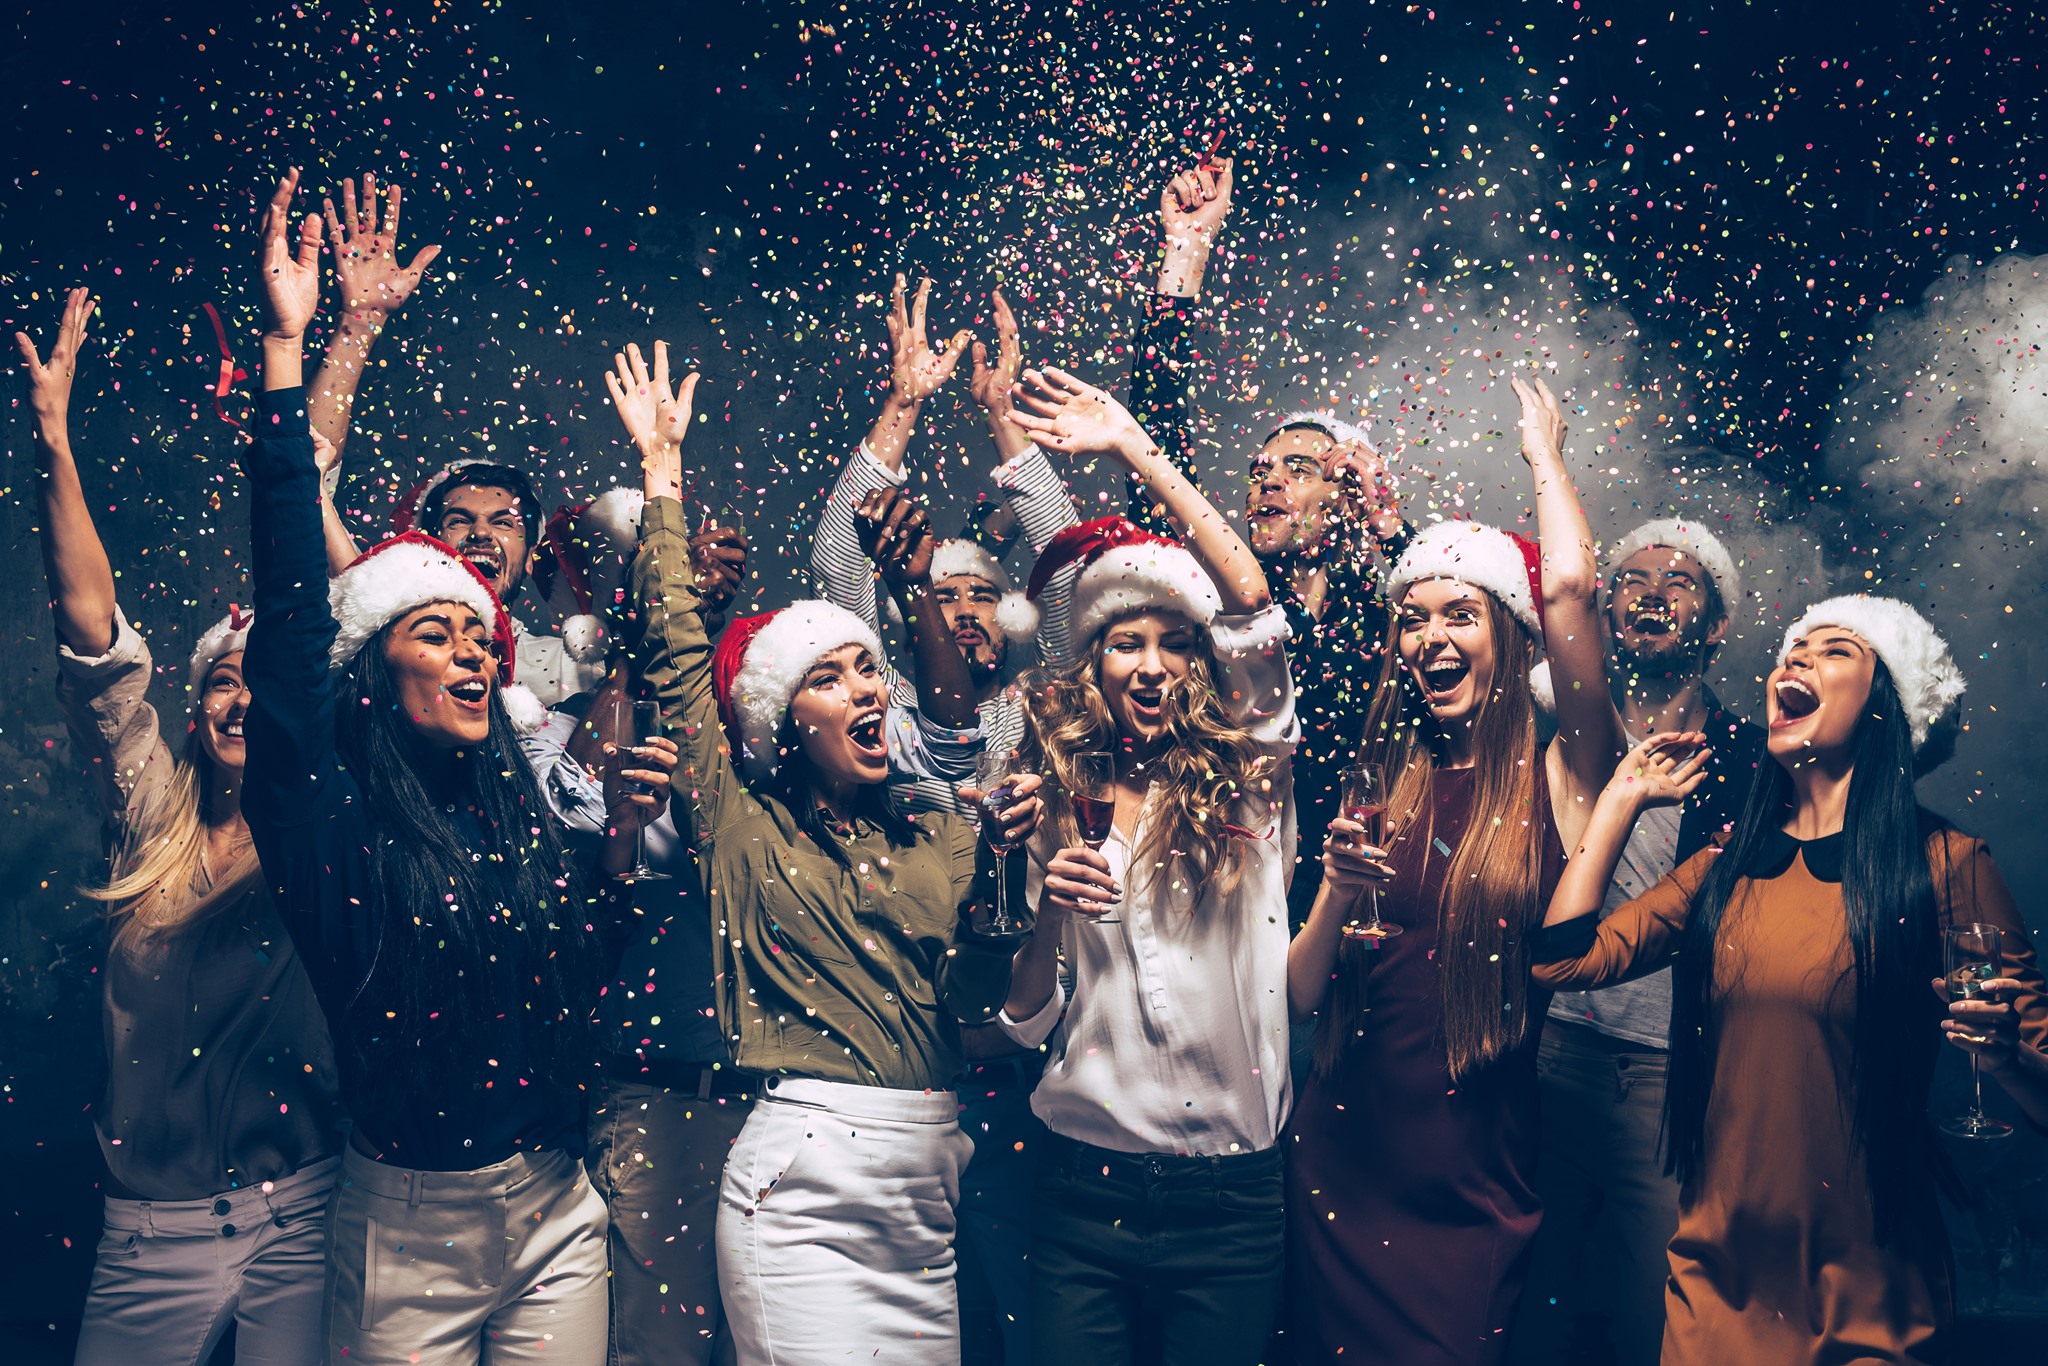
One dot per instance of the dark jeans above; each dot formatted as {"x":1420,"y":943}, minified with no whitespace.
{"x":995,"y":1210}
{"x":1184,"y":1252}
{"x":1595,"y":1295}
{"x":657,"y":1154}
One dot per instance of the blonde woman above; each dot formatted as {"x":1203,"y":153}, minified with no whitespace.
{"x":1159,"y":1203}
{"x":220,"y":1122}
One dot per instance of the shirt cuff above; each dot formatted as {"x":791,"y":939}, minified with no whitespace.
{"x":126,"y":651}
{"x":893,"y":478}
{"x":1008,"y":474}
{"x":1564,"y":941}
{"x":1258,"y":633}
{"x":278,"y":405}
{"x":1038,"y":1028}
{"x":664,"y":514}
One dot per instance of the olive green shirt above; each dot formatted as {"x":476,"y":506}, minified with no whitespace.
{"x":860,"y":974}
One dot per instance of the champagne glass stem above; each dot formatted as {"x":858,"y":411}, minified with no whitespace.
{"x":1977,"y":1084}
{"x":1002,"y":891}
{"x":640,"y":848}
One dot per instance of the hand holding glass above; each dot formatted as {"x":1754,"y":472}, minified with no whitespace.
{"x":1971,"y":956}
{"x":1363,"y":791}
{"x":1094,"y":799}
{"x":641,"y":725}
{"x":994,"y":779}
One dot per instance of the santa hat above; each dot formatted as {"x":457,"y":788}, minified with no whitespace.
{"x":406,"y":515}
{"x":1500,"y":563}
{"x":1927,"y":679}
{"x":1125,"y":569}
{"x":407,"y":572}
{"x":1330,"y":425}
{"x":1676,"y":533}
{"x":1016,"y":614}
{"x":582,"y":563}
{"x":759,"y":664}
{"x":229,"y":634}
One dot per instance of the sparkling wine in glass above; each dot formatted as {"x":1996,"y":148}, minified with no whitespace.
{"x":642,"y":725}
{"x":994,"y":778}
{"x":1363,"y":789}
{"x":1094,"y":799}
{"x":1971,"y":956}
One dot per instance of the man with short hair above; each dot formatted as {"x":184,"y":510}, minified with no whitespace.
{"x":1596,"y":1286}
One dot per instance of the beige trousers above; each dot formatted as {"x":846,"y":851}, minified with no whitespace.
{"x":504,"y":1264}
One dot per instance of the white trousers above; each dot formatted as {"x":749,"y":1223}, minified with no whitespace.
{"x":502,"y":1264}
{"x":171,"y":1275}
{"x":835,"y":1226}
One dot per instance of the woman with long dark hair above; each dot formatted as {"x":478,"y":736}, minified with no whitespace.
{"x":845,"y":960}
{"x":1410,"y":1202}
{"x":1803,"y":1033}
{"x":220,"y":1122}
{"x":452,"y":941}
{"x":1158,"y":1213}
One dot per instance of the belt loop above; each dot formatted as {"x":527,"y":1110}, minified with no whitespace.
{"x":703,"y":1083}
{"x":148,"y":1224}
{"x":414,"y":1180}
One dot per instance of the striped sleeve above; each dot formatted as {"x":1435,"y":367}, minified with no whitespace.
{"x":840,"y":570}
{"x":1039,"y":499}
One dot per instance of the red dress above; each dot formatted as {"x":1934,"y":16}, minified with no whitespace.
{"x":1411,"y":1204}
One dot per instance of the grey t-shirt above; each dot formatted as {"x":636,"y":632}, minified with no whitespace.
{"x":1638,"y":1011}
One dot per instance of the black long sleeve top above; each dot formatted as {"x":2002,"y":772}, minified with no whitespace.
{"x":313,"y":834}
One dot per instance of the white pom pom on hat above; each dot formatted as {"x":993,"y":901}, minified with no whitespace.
{"x":1683,"y":534}
{"x":1016,"y":615}
{"x":1926,"y":677}
{"x":410,"y":571}
{"x":760,"y":662}
{"x":582,"y":562}
{"x":1125,"y":569}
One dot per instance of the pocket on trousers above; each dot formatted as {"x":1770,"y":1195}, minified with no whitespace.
{"x":1265,"y":1199}
{"x":366,"y":1312}
{"x":119,"y":1242}
{"x":788,"y":1133}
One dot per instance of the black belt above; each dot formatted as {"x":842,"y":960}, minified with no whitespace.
{"x":1019,"y":1072}
{"x":703,"y":1080}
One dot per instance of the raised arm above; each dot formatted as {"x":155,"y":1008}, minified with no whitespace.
{"x":707,"y":790}
{"x":1065,"y":414}
{"x":1589,"y":734}
{"x":291,"y":711}
{"x":1192,"y":207}
{"x":74,"y":561}
{"x":915,"y":374}
{"x":896,"y":534}
{"x":373,"y":287}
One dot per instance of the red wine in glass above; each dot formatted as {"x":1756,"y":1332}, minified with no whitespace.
{"x":1094,"y":798}
{"x":1096,"y":817}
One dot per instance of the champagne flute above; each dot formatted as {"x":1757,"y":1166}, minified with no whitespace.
{"x":1973,"y":955}
{"x":1364,"y":791}
{"x":992,"y":777}
{"x":642,"y":723}
{"x":1094,"y":799}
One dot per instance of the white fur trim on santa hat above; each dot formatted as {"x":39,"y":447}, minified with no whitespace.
{"x":1677,"y":533}
{"x":1927,"y":679}
{"x":1016,"y":615}
{"x":224,"y":637}
{"x":393,"y":579}
{"x":1140,"y":577}
{"x":1472,"y":553}
{"x":777,"y":658}
{"x":1330,"y":425}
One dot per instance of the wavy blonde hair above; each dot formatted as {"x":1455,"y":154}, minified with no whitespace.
{"x":1216,"y":778}
{"x":151,"y":890}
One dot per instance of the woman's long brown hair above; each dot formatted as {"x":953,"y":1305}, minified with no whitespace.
{"x":1492,"y":892}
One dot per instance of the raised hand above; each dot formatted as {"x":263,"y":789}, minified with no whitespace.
{"x":915,"y":370}
{"x":990,"y":384}
{"x":366,"y":252}
{"x":1542,"y":420}
{"x":1193,"y":204}
{"x":896,"y":533}
{"x":1369,"y":493}
{"x":1663,"y":770}
{"x":291,"y":282}
{"x":1064,"y":414}
{"x":656,"y":416}
{"x":49,"y":382}
{"x":718,"y":556}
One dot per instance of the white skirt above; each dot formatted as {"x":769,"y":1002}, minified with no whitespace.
{"x":835,"y":1226}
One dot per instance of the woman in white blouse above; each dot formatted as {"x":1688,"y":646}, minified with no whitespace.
{"x":1158,"y":1207}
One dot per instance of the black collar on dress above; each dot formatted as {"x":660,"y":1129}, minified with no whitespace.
{"x":1823,"y":856}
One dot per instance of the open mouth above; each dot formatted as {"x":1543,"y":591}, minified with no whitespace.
{"x":232,"y":730}
{"x":866,"y":734}
{"x":1147,"y":704}
{"x":1796,"y":700}
{"x":1267,"y":514}
{"x":473,"y":692}
{"x":487,"y":560}
{"x":1652,"y":619}
{"x":1442,"y":675}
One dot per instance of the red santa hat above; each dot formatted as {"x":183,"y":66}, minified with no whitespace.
{"x":229,"y":634}
{"x":1690,"y":538}
{"x":759,"y":664}
{"x":1016,"y":614}
{"x":1507,"y":567}
{"x":1927,"y":679}
{"x":1330,"y":425}
{"x":1125,"y":569}
{"x":406,"y":515}
{"x":407,"y":572}
{"x":582,"y":564}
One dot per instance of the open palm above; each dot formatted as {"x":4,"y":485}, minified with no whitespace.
{"x":1064,"y":414}
{"x":366,"y":251}
{"x":291,"y":281}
